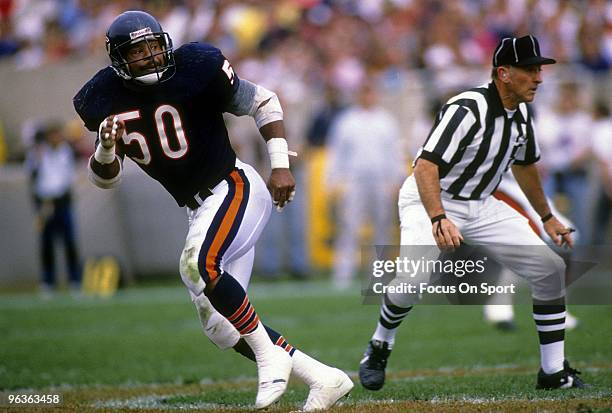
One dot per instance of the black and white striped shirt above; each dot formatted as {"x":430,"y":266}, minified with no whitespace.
{"x":474,"y":141}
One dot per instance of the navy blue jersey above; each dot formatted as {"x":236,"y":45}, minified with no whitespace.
{"x":174,"y":130}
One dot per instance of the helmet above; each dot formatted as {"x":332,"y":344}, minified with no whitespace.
{"x":133,"y":27}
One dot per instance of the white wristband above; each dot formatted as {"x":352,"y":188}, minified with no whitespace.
{"x":105,"y":156}
{"x":279,"y":153}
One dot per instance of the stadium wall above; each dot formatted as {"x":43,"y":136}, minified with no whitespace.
{"x":139,"y":223}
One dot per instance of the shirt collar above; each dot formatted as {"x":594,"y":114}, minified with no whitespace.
{"x":495,"y":104}
{"x":497,"y":108}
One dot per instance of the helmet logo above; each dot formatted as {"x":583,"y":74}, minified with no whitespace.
{"x":141,"y":32}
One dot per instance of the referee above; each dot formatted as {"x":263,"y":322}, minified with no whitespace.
{"x":477,"y":136}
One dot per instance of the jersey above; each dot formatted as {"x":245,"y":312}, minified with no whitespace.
{"x":175,"y":130}
{"x":474,"y":141}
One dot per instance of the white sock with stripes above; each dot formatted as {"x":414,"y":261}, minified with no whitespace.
{"x":390,"y":318}
{"x":550,"y":323}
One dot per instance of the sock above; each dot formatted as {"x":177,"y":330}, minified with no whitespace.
{"x":280,"y":341}
{"x":232,"y":302}
{"x":550,"y":323}
{"x":243,"y":348}
{"x":391,"y":317}
{"x":305,"y":368}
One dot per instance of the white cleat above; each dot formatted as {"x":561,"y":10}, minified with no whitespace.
{"x":273,"y":373}
{"x":571,"y":322}
{"x":326,"y":393}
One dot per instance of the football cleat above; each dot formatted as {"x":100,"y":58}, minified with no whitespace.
{"x":564,"y":379}
{"x":571,"y":322}
{"x":505,"y":325}
{"x":273,"y":372}
{"x":326,"y":393}
{"x":372,"y":366}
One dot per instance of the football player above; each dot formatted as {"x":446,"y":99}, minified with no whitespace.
{"x":163,"y":108}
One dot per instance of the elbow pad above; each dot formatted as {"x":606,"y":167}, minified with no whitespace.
{"x":268,"y":108}
{"x":256,"y":101}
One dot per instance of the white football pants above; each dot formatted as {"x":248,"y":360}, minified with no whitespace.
{"x":221,"y":238}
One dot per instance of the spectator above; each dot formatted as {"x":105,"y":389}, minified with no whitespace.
{"x":365,"y":166}
{"x":566,"y":151}
{"x":602,"y":147}
{"x":323,"y":119}
{"x":51,"y":165}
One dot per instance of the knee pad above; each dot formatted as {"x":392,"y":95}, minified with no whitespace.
{"x":216,"y":327}
{"x":190,"y":273}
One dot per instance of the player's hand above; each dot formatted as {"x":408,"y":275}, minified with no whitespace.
{"x":110,"y":131}
{"x":559,"y":233}
{"x":282,"y":187}
{"x":446,"y":234}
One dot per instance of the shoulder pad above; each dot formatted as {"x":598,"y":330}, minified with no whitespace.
{"x":95,"y":98}
{"x":198,"y":61}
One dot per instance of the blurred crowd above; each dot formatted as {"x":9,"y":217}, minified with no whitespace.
{"x":320,"y":41}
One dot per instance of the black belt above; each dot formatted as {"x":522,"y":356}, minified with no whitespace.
{"x":197,"y":200}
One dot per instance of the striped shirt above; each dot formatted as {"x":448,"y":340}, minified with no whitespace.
{"x":474,"y":141}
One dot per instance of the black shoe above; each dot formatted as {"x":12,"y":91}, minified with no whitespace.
{"x":508,"y":325}
{"x":372,"y":366}
{"x":564,"y":379}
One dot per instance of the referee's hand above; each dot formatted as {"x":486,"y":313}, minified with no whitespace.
{"x":446,"y":234}
{"x":560,"y":234}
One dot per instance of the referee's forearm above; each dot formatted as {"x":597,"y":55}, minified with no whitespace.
{"x":428,"y":182}
{"x":528,"y":179}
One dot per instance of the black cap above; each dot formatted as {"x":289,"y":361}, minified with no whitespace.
{"x":522,"y":51}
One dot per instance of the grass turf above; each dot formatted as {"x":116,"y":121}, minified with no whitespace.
{"x":143,"y":349}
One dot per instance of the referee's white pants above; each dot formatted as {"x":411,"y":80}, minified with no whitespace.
{"x":505,"y":234}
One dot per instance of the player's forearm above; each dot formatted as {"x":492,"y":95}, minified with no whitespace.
{"x":428,"y":182}
{"x":528,"y":179}
{"x":273,"y":130}
{"x":104,"y":175}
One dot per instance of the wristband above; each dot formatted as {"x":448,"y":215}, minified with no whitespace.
{"x":104,"y":155}
{"x":546,"y":217}
{"x":279,"y":153}
{"x":438,"y":218}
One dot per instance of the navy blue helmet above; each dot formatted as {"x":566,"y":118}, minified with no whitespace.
{"x":130,"y":28}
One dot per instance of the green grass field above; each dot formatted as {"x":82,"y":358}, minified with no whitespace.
{"x":143,"y":350}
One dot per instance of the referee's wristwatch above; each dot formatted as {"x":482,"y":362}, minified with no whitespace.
{"x":547,"y":217}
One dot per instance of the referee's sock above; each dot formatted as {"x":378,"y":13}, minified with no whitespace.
{"x":550,"y":323}
{"x":391,"y":317}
